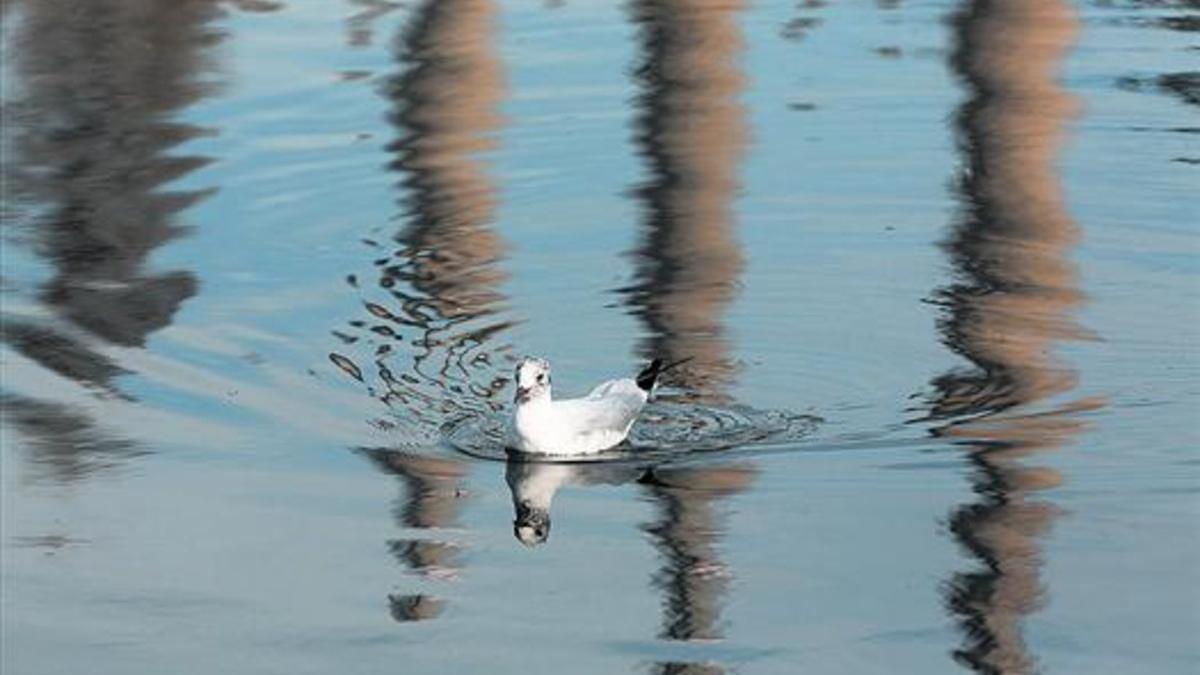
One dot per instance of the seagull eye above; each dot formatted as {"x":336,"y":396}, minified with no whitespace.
{"x":541,"y":379}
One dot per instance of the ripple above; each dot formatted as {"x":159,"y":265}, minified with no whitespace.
{"x":665,"y":429}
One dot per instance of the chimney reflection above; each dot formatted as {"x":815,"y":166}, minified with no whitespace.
{"x":690,"y":128}
{"x":687,"y":534}
{"x":442,"y":279}
{"x":65,"y":444}
{"x":433,"y":496}
{"x":447,"y":104}
{"x":1012,"y":302}
{"x":99,"y":82}
{"x":92,"y":141}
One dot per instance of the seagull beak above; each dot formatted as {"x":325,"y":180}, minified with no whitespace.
{"x":522,"y":395}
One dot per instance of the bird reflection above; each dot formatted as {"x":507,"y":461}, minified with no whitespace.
{"x":1011,"y":304}
{"x":93,"y":143}
{"x":432,"y":498}
{"x":691,"y":131}
{"x":686,"y":532}
{"x":442,"y":282}
{"x":534,"y":484}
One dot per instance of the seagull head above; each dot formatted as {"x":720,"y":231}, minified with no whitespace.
{"x":533,"y":380}
{"x":532,"y":526}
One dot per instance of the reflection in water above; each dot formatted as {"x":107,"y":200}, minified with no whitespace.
{"x":66,"y":445}
{"x":688,"y":668}
{"x":1012,"y":302}
{"x":534,"y":484}
{"x":447,"y":103}
{"x":90,"y":130}
{"x":1185,"y":86}
{"x":432,"y":499}
{"x":691,"y":131}
{"x":687,"y":533}
{"x":442,"y":281}
{"x":360,"y":26}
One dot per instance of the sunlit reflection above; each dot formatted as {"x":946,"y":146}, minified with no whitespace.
{"x":431,"y":336}
{"x":691,"y":131}
{"x":1013,"y":301}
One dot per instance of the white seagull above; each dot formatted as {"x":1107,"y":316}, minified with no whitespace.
{"x":577,"y":426}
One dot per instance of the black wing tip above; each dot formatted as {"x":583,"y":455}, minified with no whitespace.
{"x":649,"y":374}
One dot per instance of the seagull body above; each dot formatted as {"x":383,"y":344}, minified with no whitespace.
{"x":577,"y":426}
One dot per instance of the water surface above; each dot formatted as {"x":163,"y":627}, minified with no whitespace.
{"x":267,"y":268}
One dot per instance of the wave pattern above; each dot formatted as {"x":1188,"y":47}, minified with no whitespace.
{"x":665,"y":430}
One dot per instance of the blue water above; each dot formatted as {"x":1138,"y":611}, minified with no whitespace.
{"x":267,"y":268}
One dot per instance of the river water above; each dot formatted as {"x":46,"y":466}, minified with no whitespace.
{"x":268,"y":265}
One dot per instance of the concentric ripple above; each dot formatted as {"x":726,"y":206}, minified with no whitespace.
{"x":664,"y":429}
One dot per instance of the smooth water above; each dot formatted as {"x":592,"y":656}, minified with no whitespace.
{"x":268,"y":266}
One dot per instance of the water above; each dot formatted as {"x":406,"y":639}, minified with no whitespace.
{"x":268,"y":265}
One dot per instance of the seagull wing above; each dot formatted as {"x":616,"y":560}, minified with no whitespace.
{"x":612,"y":387}
{"x":610,"y":407}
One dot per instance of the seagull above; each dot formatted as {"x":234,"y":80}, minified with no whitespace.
{"x":577,"y":426}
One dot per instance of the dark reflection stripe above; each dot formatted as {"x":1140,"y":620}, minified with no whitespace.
{"x":1012,"y":301}
{"x":93,"y":142}
{"x":66,"y":444}
{"x":99,"y":82}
